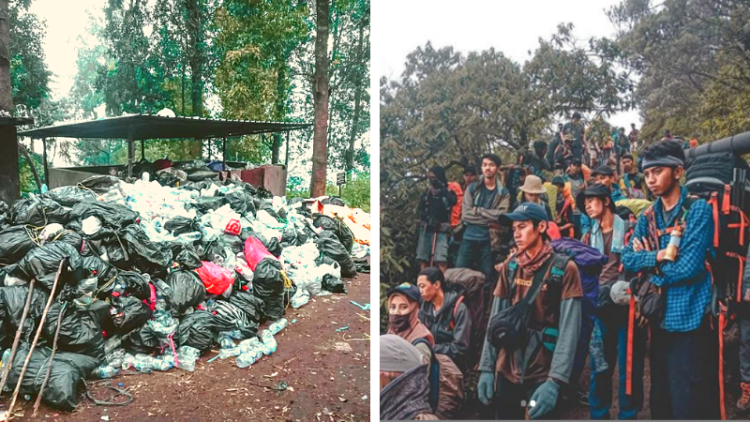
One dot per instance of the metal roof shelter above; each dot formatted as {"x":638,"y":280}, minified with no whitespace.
{"x":147,"y":126}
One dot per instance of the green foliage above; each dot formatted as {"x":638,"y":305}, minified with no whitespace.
{"x":356,"y":193}
{"x":692,"y":61}
{"x":28,"y":72}
{"x":26,"y":177}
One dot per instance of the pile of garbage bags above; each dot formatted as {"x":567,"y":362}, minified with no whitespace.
{"x":150,"y":277}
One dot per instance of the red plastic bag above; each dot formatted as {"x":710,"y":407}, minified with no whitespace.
{"x":216,"y":278}
{"x":255,"y":252}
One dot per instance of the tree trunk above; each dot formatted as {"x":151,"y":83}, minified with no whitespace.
{"x":357,"y":99}
{"x":195,"y":37}
{"x":6,"y":93}
{"x":280,"y":110}
{"x":321,"y":94}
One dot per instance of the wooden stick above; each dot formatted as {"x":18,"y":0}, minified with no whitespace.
{"x":51,"y":359}
{"x":6,"y":369}
{"x":36,"y":339}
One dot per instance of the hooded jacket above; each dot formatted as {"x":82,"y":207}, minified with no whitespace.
{"x":451,"y":326}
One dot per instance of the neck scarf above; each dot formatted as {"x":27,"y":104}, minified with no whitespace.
{"x":531,"y":265}
{"x":416,"y":329}
{"x":618,"y":235}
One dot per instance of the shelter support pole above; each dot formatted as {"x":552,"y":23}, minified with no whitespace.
{"x":286,"y":159}
{"x":44,"y":158}
{"x":224,"y":153}
{"x":10,"y":187}
{"x":143,"y":150}
{"x":131,"y":153}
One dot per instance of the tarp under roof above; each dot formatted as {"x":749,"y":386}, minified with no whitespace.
{"x":147,"y":126}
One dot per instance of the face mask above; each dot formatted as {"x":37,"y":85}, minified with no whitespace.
{"x":399,"y":323}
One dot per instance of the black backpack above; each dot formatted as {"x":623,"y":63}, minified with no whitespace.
{"x":508,"y":329}
{"x":722,"y":180}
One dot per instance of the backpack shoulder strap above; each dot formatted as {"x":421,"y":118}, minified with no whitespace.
{"x":559,"y":263}
{"x":434,"y":373}
{"x":459,"y":301}
{"x":511,"y":270}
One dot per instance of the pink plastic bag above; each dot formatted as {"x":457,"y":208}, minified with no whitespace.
{"x":255,"y":252}
{"x":216,"y":278}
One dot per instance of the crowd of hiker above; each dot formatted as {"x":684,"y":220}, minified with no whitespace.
{"x":579,"y":254}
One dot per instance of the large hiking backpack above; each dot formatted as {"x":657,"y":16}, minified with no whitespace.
{"x":473,"y":283}
{"x":446,"y":384}
{"x":589,"y":261}
{"x":722,"y":180}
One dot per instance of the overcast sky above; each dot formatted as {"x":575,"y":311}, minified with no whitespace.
{"x":513,"y":27}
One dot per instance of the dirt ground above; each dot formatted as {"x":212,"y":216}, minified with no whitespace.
{"x":327,"y":372}
{"x":571,"y":410}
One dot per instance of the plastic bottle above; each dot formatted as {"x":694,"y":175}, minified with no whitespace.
{"x":278,"y":326}
{"x":162,"y":365}
{"x":190,"y":237}
{"x":248,"y":358}
{"x":225,"y":353}
{"x":251,"y":344}
{"x":106,"y":372}
{"x":6,"y":356}
{"x":226,"y":342}
{"x":269,"y":343}
{"x":162,"y":286}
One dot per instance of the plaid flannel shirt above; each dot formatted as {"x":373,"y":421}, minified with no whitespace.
{"x":688,"y":281}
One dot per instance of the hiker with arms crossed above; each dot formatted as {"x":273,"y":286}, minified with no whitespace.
{"x":434,"y":220}
{"x":484,"y":201}
{"x":684,"y":350}
{"x":544,"y":289}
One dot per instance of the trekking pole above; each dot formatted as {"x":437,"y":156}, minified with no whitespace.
{"x":51,"y":359}
{"x":7,"y":365}
{"x":36,"y":339}
{"x":434,"y":243}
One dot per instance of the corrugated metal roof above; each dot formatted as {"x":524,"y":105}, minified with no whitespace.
{"x":148,"y":126}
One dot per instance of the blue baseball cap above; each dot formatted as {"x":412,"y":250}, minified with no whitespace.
{"x":524,"y":212}
{"x":407,"y":289}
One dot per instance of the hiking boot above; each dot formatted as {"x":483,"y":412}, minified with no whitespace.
{"x":743,"y":404}
{"x":582,"y":397}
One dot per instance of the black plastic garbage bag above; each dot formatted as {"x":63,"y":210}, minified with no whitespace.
{"x":250,"y":304}
{"x":4,"y":213}
{"x":180,"y":225}
{"x":241,"y":203}
{"x":100,"y":183}
{"x":12,"y":302}
{"x":188,"y":259}
{"x":201,"y":175}
{"x":268,"y":285}
{"x":144,"y":254}
{"x":234,"y":242}
{"x":42,"y":263}
{"x":334,"y":200}
{"x":141,"y":340}
{"x":187,"y":291}
{"x":272,"y":244}
{"x":70,"y":195}
{"x":66,"y":376}
{"x":81,"y":330}
{"x":211,"y":251}
{"x":37,"y":212}
{"x":130,"y":313}
{"x":15,"y":243}
{"x":329,"y":245}
{"x":292,"y":237}
{"x":205,"y":204}
{"x":166,"y":178}
{"x":110,"y":214}
{"x":95,"y":266}
{"x":128,"y":283}
{"x":228,"y":317}
{"x":75,"y":240}
{"x":197,"y":330}
{"x":333,"y":284}
{"x":343,"y":234}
